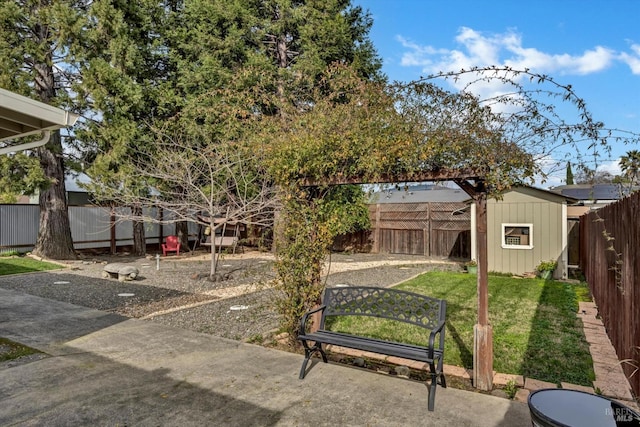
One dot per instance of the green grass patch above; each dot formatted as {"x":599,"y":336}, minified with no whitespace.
{"x":10,"y":350}
{"x":536,"y":332}
{"x":18,"y":265}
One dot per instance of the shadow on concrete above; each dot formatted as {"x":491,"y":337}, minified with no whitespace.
{"x":87,"y":389}
{"x":513,"y":416}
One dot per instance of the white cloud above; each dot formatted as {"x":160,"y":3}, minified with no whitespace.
{"x":612,"y":166}
{"x":590,"y":61}
{"x":632,"y":59}
{"x":553,"y":172}
{"x":481,"y":49}
{"x":417,"y":55}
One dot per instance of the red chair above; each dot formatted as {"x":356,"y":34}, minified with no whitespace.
{"x":172,"y":244}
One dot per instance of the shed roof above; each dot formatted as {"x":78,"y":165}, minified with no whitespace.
{"x":541,"y":193}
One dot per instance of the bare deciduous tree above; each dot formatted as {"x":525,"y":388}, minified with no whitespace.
{"x":196,"y":183}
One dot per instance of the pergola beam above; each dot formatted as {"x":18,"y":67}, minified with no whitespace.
{"x":387,"y":178}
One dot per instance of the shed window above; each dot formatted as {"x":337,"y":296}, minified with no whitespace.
{"x":517,"y":236}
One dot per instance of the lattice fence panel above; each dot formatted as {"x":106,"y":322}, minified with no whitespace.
{"x":432,"y":229}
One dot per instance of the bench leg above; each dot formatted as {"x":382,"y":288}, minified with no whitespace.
{"x":435,"y":376}
{"x":443,"y":381}
{"x":432,"y":390}
{"x":322,"y":353}
{"x":308,"y":352}
{"x":303,"y":369}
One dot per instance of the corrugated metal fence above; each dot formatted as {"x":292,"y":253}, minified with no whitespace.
{"x":92,"y":227}
{"x":610,"y":260}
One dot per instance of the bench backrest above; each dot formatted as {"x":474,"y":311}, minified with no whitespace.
{"x":393,"y":304}
{"x":225,"y":240}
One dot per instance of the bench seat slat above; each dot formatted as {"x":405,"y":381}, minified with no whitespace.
{"x":406,"y":351}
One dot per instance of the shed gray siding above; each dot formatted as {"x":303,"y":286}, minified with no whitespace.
{"x":526,"y":205}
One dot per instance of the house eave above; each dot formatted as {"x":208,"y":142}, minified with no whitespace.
{"x":21,"y":116}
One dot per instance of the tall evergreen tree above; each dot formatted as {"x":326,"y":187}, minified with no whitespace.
{"x":569,"y":179}
{"x":287,"y":43}
{"x":37,"y":59}
{"x":179,"y":58}
{"x":127,"y":64}
{"x":301,"y":38}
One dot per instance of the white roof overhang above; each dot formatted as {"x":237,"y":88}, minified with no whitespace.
{"x":21,"y":116}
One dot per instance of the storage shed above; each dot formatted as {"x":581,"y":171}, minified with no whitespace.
{"x":527,"y":226}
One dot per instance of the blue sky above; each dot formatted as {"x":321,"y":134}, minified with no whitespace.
{"x":593,"y":45}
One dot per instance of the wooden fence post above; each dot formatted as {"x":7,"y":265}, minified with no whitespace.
{"x":376,"y":231}
{"x":112,"y":225}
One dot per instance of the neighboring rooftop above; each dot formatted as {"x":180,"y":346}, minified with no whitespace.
{"x":421,"y":193}
{"x":594,"y":193}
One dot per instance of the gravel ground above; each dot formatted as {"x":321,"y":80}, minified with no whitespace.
{"x":175,"y":290}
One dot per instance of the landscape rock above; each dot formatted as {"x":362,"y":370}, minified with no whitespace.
{"x":123,"y":272}
{"x":403,"y":371}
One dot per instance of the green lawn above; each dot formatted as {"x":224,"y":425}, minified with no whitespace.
{"x":16,"y":265}
{"x":535,"y":329}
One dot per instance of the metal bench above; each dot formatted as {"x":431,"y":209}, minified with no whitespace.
{"x":223,"y":242}
{"x":402,"y":306}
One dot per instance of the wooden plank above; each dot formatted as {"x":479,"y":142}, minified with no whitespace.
{"x":609,"y":239}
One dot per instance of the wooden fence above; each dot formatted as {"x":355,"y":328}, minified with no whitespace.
{"x":440,"y":230}
{"x":610,"y":260}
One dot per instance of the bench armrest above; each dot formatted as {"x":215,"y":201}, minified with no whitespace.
{"x":303,"y":321}
{"x":432,"y":337}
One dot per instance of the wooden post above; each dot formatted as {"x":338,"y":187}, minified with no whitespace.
{"x":160,"y":228}
{"x":376,"y":231}
{"x":428,"y":247}
{"x":426,"y":236}
{"x":482,"y":331}
{"x":112,"y":227}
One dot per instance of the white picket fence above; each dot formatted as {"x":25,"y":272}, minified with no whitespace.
{"x":91,"y":228}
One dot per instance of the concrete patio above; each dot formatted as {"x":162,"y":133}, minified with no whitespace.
{"x":105,"y":369}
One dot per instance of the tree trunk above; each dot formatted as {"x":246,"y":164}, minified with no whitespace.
{"x":215,"y":255}
{"x":139,"y":239}
{"x":182,"y":231}
{"x":54,"y":233}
